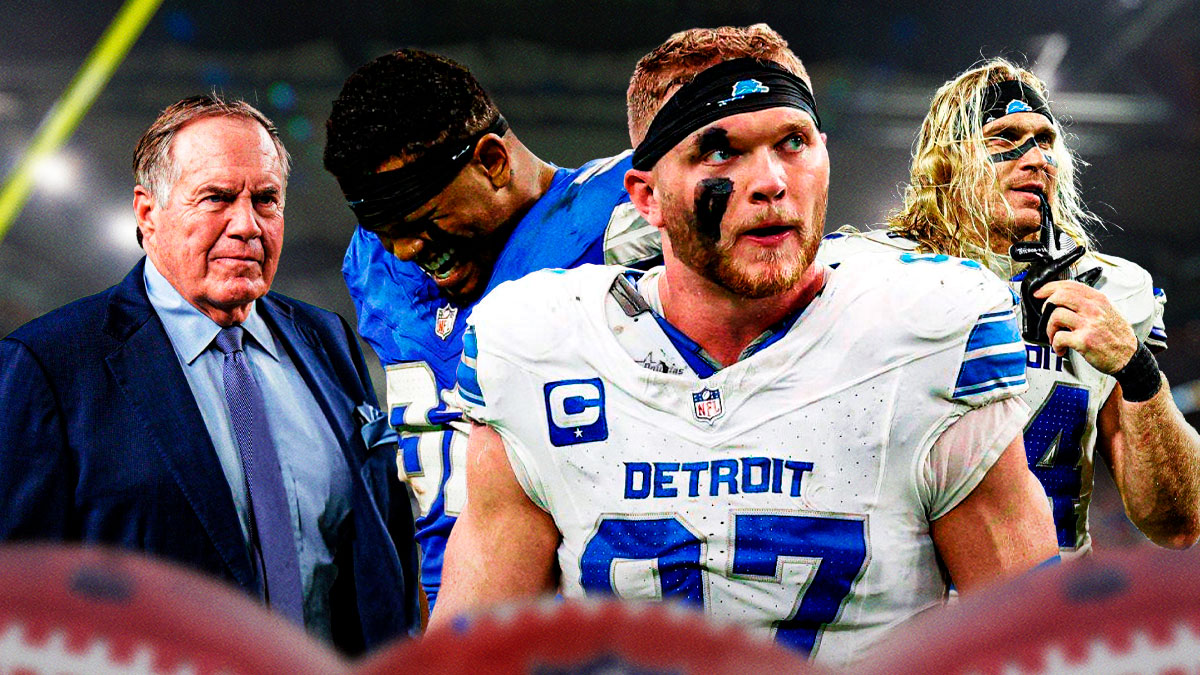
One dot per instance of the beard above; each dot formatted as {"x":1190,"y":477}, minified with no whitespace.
{"x":764,"y":272}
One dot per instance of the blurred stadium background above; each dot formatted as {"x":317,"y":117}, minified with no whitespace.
{"x":1125,"y":73}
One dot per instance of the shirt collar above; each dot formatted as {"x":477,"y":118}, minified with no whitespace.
{"x":188,"y":328}
{"x":700,"y":361}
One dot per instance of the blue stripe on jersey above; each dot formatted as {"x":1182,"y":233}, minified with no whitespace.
{"x":469,"y":397}
{"x":992,"y":330}
{"x":1004,"y":369}
{"x":1158,"y":292}
{"x":468,"y":378}
{"x":983,"y":388}
{"x":470,"y":343}
{"x":994,"y":357}
{"x":688,"y":348}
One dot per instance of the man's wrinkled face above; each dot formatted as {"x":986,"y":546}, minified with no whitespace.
{"x":219,"y":235}
{"x":1022,"y":178}
{"x":456,"y":237}
{"x":743,"y":199}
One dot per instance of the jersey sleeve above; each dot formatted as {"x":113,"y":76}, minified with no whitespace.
{"x":1131,"y":290}
{"x":1156,"y":338}
{"x":390,"y":299}
{"x":629,"y":240}
{"x":993,"y":361}
{"x":490,"y":391}
{"x":837,"y":246}
{"x":964,"y":453}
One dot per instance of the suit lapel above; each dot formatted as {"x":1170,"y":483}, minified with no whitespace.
{"x":304,"y":348}
{"x":148,"y":372}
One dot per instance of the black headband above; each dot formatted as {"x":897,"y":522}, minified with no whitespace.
{"x":380,"y":199}
{"x":1010,"y":97}
{"x":728,"y":88}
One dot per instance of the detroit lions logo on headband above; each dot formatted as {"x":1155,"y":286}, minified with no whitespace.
{"x":1017,"y":107}
{"x":745,"y":88}
{"x":1009,"y":98}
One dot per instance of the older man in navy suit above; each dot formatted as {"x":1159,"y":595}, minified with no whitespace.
{"x":192,"y":414}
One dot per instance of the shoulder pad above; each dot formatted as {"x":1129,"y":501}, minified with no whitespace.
{"x":837,"y":246}
{"x":532,"y":317}
{"x":1129,"y":287}
{"x":931,"y":296}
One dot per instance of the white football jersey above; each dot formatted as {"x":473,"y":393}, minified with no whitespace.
{"x":791,"y":491}
{"x":1065,"y":393}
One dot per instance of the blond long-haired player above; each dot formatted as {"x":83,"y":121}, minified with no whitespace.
{"x":991,"y":169}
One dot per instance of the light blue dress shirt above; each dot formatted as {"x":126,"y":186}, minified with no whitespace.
{"x":314,"y":469}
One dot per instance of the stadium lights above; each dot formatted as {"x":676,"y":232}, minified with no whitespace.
{"x":120,"y":228}
{"x":54,"y":174}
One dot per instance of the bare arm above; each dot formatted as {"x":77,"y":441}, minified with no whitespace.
{"x":1154,"y":455}
{"x":503,"y":546}
{"x":1153,"y":452}
{"x":1001,"y":529}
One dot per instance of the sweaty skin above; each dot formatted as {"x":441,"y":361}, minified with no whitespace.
{"x":712,"y":196}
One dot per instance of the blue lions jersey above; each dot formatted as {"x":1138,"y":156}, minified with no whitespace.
{"x":585,"y":217}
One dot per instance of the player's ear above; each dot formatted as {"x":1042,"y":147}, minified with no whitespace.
{"x":640,"y":186}
{"x":145,"y":209}
{"x":492,"y":155}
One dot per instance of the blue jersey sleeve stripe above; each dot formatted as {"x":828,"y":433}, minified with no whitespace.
{"x":468,"y":378}
{"x":993,"y":330}
{"x":984,"y":387}
{"x":475,"y":399}
{"x":470,"y":343}
{"x":991,"y":368}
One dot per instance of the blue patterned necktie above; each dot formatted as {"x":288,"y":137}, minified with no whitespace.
{"x":271,"y":531}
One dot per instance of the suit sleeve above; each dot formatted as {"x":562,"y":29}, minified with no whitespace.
{"x":360,"y":364}
{"x":36,"y":472}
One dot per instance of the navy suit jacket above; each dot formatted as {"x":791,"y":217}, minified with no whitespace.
{"x":101,"y":441}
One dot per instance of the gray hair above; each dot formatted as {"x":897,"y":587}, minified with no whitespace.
{"x":153,"y":166}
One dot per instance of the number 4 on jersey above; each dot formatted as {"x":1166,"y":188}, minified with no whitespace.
{"x":1054,"y":447}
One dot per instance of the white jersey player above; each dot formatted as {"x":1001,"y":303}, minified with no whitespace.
{"x":742,"y":430}
{"x":792,"y":490}
{"x":992,"y":180}
{"x":1065,"y":392}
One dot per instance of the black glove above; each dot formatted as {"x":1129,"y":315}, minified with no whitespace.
{"x":1049,"y":259}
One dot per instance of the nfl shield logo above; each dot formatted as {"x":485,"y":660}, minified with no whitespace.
{"x":445,"y":321}
{"x":707,"y":404}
